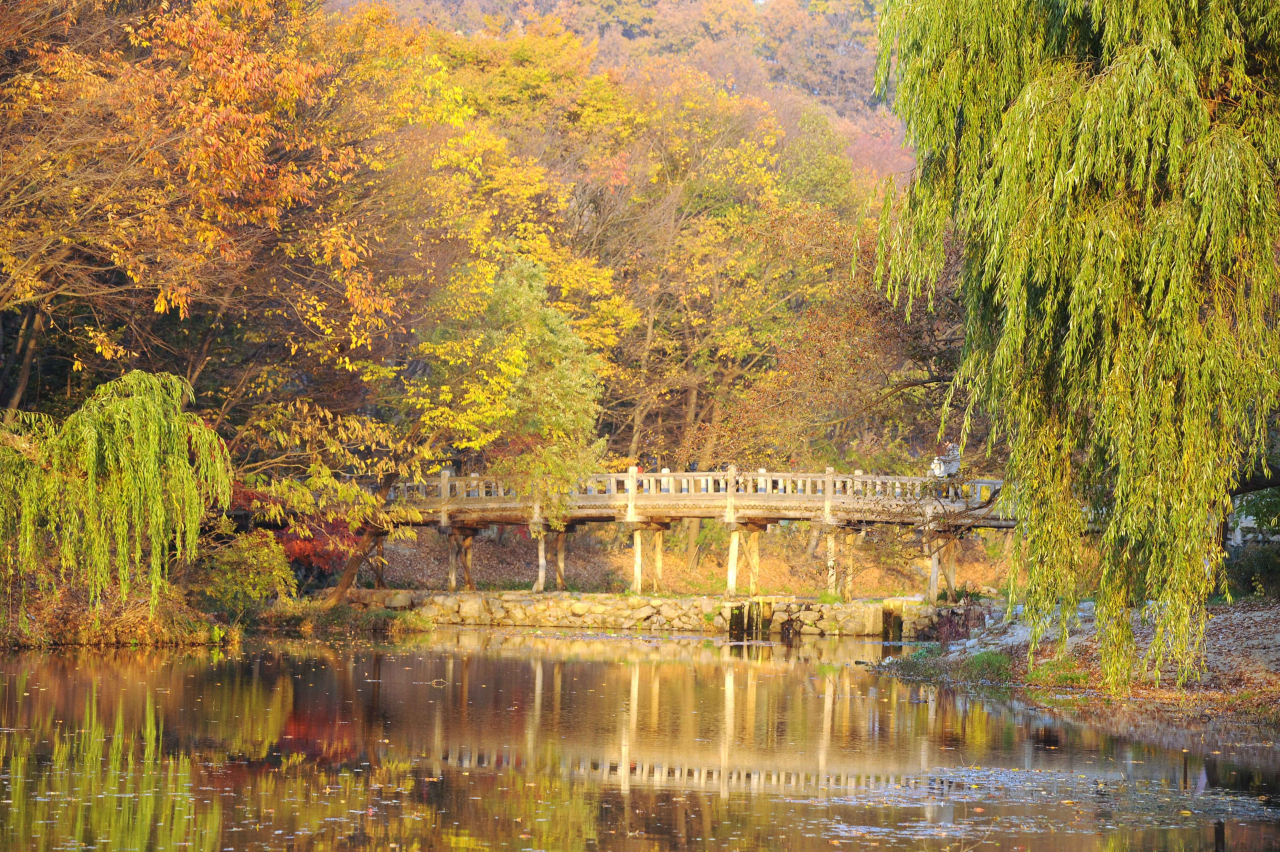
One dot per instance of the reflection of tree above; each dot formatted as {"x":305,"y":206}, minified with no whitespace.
{"x":139,"y":761}
{"x":112,"y":787}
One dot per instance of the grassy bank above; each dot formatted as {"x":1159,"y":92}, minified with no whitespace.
{"x":309,"y":619}
{"x":67,"y":619}
{"x":185,"y":617}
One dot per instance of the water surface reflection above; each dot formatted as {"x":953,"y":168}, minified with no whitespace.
{"x":512,"y":740}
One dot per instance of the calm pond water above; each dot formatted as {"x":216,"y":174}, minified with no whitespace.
{"x":537,"y":741}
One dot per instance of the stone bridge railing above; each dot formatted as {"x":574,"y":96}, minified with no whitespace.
{"x":730,"y":495}
{"x":942,"y":507}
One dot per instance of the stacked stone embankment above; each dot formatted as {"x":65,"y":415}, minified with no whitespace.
{"x":709,"y":614}
{"x":909,"y":618}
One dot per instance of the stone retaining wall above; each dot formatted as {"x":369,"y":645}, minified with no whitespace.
{"x":711,"y":614}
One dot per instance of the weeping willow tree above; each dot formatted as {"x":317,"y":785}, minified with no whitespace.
{"x":1110,"y":169}
{"x":109,"y":496}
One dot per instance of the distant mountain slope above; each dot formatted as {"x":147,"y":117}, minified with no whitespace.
{"x":790,"y":52}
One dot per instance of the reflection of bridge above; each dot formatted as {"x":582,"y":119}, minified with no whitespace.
{"x":831,"y":758}
{"x":627,"y":754}
{"x":625,"y":771}
{"x":747,"y":502}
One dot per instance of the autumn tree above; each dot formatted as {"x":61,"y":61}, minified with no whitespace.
{"x":346,"y":241}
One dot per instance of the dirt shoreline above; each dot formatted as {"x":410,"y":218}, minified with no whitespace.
{"x":1236,"y":700}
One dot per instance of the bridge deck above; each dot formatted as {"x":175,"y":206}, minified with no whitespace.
{"x":736,"y":498}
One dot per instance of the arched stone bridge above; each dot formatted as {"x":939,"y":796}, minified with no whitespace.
{"x":943,"y":508}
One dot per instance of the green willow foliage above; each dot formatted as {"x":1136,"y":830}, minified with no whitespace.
{"x":1110,"y":170}
{"x":113,"y":492}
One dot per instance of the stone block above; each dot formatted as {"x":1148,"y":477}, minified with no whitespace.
{"x":872,"y":620}
{"x":642,"y":613}
{"x":398,"y":600}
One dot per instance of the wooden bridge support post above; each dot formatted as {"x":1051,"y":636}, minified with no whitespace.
{"x":753,"y":558}
{"x":846,"y":588}
{"x":444,"y":499}
{"x":637,"y":571}
{"x":560,"y":545}
{"x":541,"y":583}
{"x":637,"y":537}
{"x":731,"y":518}
{"x":658,"y":543}
{"x":831,"y":562}
{"x":466,"y":560}
{"x":731,"y":585}
{"x":538,"y":530}
{"x":455,"y":545}
{"x":828,"y":495}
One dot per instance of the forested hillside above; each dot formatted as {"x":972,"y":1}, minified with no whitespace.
{"x":792,"y":53}
{"x":373,"y":244}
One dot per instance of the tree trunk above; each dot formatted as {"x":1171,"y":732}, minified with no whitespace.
{"x":24,"y":372}
{"x":197,"y":364}
{"x":368,"y":539}
{"x":371,"y":536}
{"x":949,"y":567}
{"x":815,"y":534}
{"x":691,"y":528}
{"x":637,"y":425}
{"x":379,"y":579}
{"x":19,"y":342}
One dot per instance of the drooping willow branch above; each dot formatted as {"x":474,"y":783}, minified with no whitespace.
{"x":113,"y":493}
{"x":1120,"y":279}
